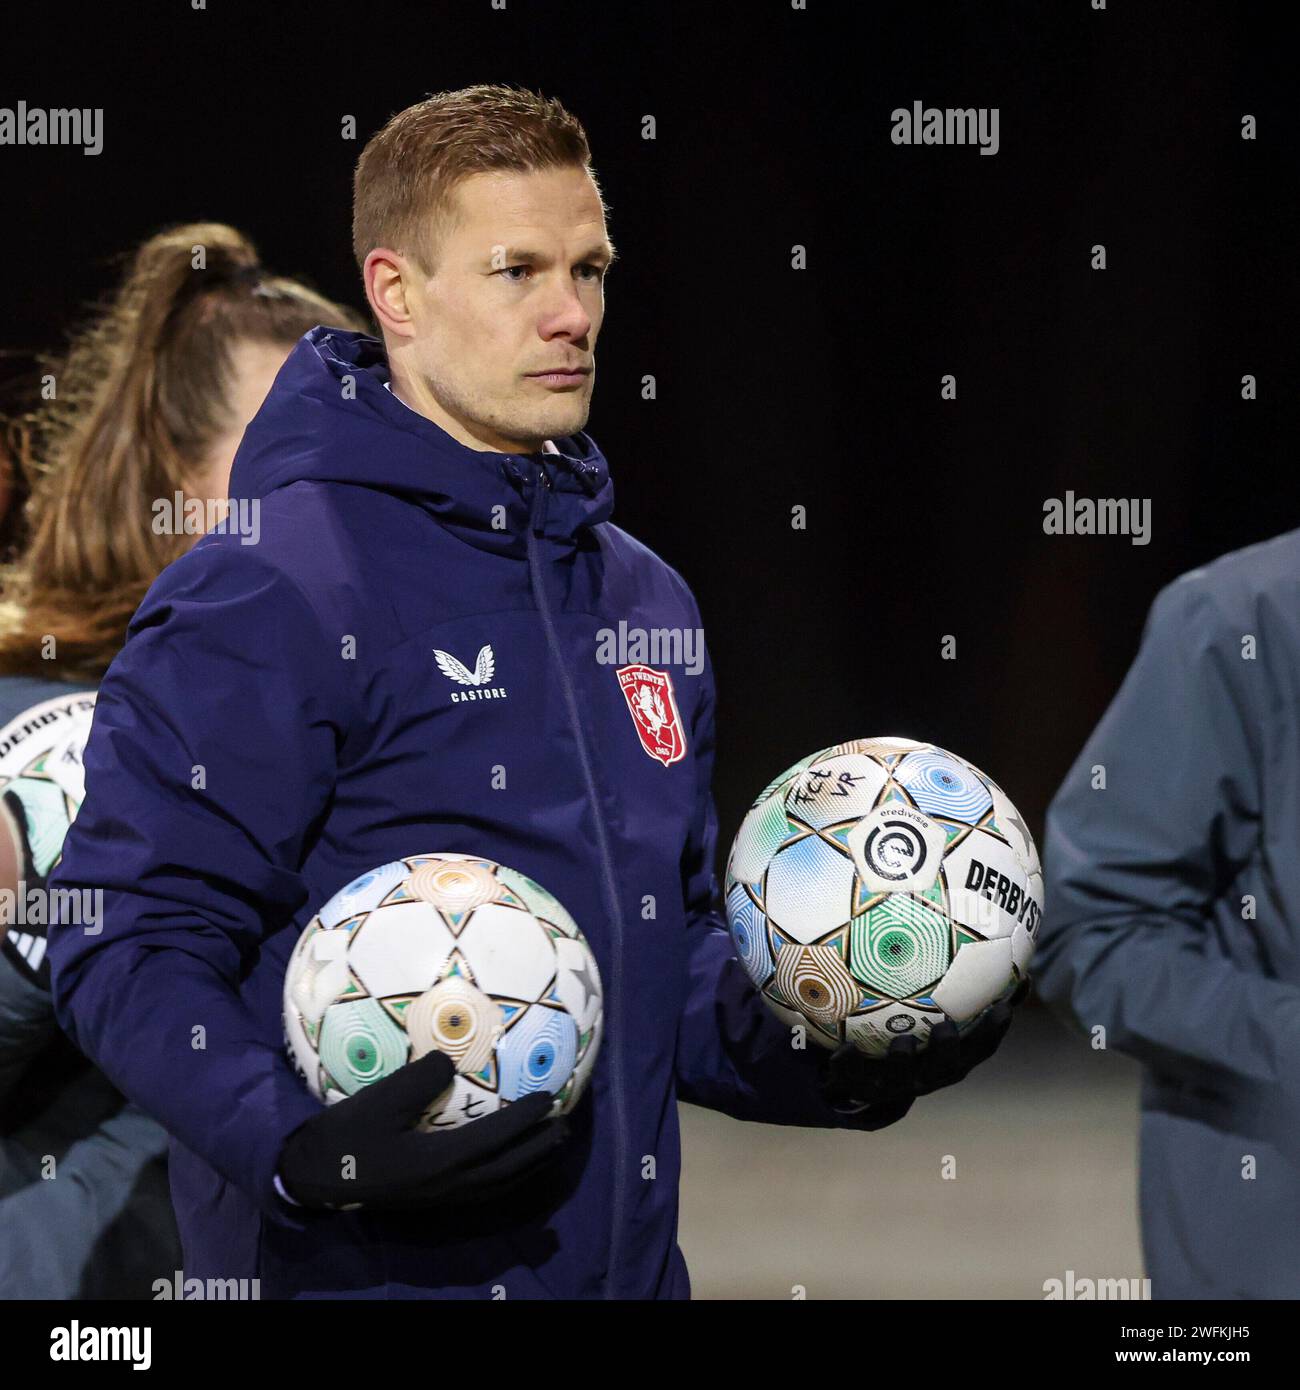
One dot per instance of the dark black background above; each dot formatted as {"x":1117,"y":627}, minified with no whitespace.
{"x":820,"y":387}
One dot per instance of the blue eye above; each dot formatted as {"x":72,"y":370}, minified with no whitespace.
{"x":598,"y":272}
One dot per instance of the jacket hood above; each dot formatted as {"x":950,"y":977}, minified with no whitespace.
{"x":329,"y":417}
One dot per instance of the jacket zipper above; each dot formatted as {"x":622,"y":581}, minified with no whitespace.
{"x":536,"y":525}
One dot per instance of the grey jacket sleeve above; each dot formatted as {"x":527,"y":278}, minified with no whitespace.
{"x":52,"y":1230}
{"x":1131,"y":940}
{"x":27,"y":1025}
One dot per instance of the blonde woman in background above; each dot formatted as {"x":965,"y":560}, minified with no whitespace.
{"x":153,"y":398}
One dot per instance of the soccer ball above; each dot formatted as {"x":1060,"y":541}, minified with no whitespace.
{"x":445,"y":952}
{"x":880,"y":886}
{"x":45,"y":773}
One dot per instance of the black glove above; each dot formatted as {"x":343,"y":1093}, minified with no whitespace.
{"x":398,"y":1168}
{"x":24,"y":943}
{"x":851,"y":1080}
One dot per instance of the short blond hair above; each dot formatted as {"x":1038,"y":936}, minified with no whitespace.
{"x":402,"y":190}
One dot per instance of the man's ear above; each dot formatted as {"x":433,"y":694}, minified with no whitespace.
{"x":386,"y":274}
{"x":11,"y":860}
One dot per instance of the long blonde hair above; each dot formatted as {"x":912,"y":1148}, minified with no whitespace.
{"x":142,"y":394}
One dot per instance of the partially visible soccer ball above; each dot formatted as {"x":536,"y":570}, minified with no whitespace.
{"x":880,"y":886}
{"x":445,"y":952}
{"x":43,"y":771}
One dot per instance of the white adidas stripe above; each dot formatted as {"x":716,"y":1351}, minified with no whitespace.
{"x":31,"y":948}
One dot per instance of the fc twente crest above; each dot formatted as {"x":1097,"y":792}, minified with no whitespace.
{"x":649,"y":696}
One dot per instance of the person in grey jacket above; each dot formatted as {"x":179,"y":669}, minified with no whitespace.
{"x":1172,"y":922}
{"x":84,"y":1207}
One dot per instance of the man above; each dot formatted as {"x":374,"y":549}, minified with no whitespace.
{"x":1172,"y":884}
{"x":431,"y":494}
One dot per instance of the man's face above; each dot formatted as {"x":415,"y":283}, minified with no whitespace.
{"x":518,"y":292}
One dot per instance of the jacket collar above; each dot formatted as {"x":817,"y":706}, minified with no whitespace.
{"x":330,"y":418}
